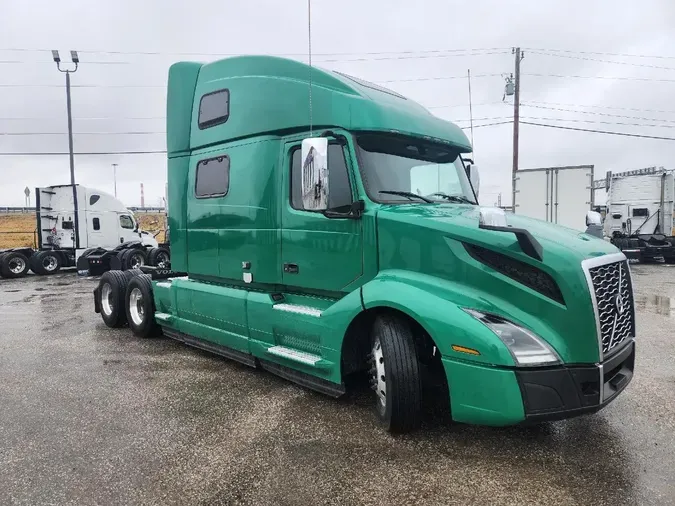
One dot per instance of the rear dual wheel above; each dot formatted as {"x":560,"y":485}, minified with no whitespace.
{"x":140,"y":307}
{"x":13,"y":264}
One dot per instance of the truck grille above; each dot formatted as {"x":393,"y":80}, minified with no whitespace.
{"x":611,"y":285}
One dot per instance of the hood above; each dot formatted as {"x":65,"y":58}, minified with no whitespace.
{"x":442,"y":240}
{"x":461,"y":222}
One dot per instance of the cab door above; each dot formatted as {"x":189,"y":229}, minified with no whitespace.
{"x":127,"y":228}
{"x":319,"y":253}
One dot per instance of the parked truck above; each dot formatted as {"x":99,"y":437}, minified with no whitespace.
{"x":639,"y":217}
{"x":560,"y":195}
{"x":344,"y":240}
{"x":78,"y":225}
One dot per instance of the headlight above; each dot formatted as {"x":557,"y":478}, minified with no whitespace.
{"x":527,"y":349}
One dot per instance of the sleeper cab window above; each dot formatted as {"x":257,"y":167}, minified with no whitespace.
{"x":93,"y":199}
{"x":97,"y":224}
{"x":214,"y":109}
{"x":126,"y":222}
{"x":340,"y":194}
{"x":213,"y":177}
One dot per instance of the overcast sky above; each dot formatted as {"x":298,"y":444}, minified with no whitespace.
{"x":416,"y":53}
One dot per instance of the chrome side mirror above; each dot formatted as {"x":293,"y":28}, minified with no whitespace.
{"x":315,"y":173}
{"x":474,"y":177}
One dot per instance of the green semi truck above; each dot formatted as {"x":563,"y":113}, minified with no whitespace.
{"x":324,"y":228}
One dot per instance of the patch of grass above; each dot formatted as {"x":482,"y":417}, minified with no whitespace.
{"x":17,"y":230}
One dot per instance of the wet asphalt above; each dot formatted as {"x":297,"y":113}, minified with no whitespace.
{"x":91,"y":415}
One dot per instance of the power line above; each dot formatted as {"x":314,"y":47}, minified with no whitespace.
{"x":601,"y":60}
{"x":603,"y":107}
{"x":415,"y":79}
{"x":20,"y":62}
{"x":596,"y":113}
{"x":372,"y":53}
{"x":108,"y":118}
{"x":442,"y":78}
{"x":490,"y":124}
{"x":571,"y":120}
{"x":97,"y":153}
{"x":598,"y":131}
{"x":666,"y":57}
{"x":462,"y":105}
{"x":604,"y":77}
{"x":82,"y":86}
{"x":79,"y":133}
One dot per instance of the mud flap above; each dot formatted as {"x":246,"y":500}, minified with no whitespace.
{"x":97,"y":299}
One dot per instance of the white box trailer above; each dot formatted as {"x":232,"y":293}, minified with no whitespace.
{"x":75,"y":223}
{"x":560,"y":195}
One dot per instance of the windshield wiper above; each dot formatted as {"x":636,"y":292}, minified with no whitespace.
{"x":455,"y":198}
{"x":410,"y":195}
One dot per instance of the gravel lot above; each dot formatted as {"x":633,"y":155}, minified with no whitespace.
{"x":90,"y":415}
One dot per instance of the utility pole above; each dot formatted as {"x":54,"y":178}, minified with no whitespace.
{"x":468,"y":75}
{"x":114,"y":166}
{"x":516,"y":123}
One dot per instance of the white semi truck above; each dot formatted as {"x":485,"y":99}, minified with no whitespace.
{"x":83,"y":226}
{"x":639,"y":219}
{"x":560,"y":195}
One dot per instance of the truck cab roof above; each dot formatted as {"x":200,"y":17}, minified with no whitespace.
{"x":245,"y":96}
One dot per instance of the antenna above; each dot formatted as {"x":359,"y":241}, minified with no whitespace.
{"x":309,"y":35}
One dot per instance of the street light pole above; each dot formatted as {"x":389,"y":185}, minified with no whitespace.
{"x":114,"y":165}
{"x":76,"y":60}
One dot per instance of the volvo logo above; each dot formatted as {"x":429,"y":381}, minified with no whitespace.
{"x":618,"y":304}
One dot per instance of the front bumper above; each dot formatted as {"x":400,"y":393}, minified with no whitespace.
{"x":568,"y":391}
{"x":487,"y":395}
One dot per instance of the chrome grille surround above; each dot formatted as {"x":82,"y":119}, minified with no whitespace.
{"x":610,"y":285}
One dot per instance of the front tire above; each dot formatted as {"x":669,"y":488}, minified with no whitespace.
{"x":395,"y":375}
{"x":112,"y":289}
{"x":13,"y":265}
{"x":140,"y":307}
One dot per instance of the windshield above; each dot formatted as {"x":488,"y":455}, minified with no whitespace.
{"x":397,"y":169}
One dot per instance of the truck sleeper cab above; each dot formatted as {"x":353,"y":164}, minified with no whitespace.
{"x":358,"y":247}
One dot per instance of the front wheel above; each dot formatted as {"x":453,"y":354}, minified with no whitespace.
{"x":395,"y":375}
{"x":133,"y":259}
{"x":140,"y":307}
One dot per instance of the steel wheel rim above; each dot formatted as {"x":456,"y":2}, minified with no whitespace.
{"x":136,"y":261}
{"x":16,"y":265}
{"x":162,"y":259}
{"x":49,"y":262}
{"x":107,"y":299}
{"x":136,"y":309}
{"x":378,"y":381}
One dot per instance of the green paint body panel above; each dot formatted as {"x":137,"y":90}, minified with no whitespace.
{"x":407,"y":257}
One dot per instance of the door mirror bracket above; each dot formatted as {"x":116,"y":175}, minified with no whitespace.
{"x":354,"y":213}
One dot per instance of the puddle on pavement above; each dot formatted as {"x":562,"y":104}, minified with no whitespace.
{"x":656,"y":304}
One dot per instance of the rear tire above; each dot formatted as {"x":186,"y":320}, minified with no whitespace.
{"x":112,"y":290}
{"x":159,"y":257}
{"x":133,"y":259}
{"x":13,"y":264}
{"x":395,"y":375}
{"x":45,"y":263}
{"x":140,"y":307}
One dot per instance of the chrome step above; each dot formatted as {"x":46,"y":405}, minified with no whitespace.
{"x":165,"y":317}
{"x":295,"y":355}
{"x":297,"y":309}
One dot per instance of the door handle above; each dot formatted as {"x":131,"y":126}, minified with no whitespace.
{"x":291,"y":268}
